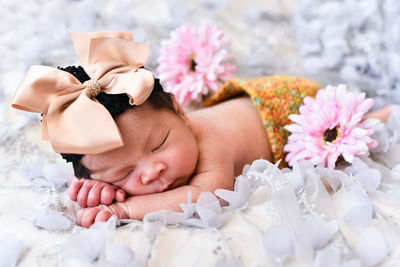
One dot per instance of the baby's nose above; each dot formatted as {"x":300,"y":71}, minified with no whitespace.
{"x":152,"y":172}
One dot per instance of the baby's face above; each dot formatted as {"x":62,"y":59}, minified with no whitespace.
{"x":159,"y":153}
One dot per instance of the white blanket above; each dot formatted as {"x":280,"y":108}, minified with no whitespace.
{"x":273,"y":217}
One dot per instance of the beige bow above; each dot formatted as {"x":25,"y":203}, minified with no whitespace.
{"x":73,"y":120}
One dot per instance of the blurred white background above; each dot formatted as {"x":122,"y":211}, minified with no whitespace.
{"x":338,"y":41}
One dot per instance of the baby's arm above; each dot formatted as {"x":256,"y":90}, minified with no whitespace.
{"x":220,"y":175}
{"x":380,"y":114}
{"x":91,"y":193}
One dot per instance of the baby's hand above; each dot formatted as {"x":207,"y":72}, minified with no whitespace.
{"x":91,"y":193}
{"x":88,"y":216}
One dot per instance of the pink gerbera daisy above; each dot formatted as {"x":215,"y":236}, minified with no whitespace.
{"x":192,"y":62}
{"x":329,"y":126}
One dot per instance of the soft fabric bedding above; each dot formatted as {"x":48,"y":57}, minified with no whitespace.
{"x":304,"y":216}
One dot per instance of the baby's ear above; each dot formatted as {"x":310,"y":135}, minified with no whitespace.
{"x":178,"y":108}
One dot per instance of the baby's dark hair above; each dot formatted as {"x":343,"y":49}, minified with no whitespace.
{"x":116,"y":105}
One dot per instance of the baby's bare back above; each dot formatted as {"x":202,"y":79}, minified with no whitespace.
{"x":236,"y":128}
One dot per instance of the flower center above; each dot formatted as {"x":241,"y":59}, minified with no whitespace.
{"x":331,"y":135}
{"x":192,"y":63}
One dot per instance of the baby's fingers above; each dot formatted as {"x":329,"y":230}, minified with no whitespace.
{"x":103,"y":216}
{"x":102,"y":193}
{"x":108,"y":194}
{"x":120,"y":195}
{"x":86,"y":217}
{"x":94,"y":195}
{"x":83,"y":194}
{"x":74,"y":189}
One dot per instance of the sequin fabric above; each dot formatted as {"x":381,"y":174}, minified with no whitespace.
{"x":276,"y":97}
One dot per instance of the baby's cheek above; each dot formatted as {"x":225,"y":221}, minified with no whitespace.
{"x":186,"y":160}
{"x":131,"y":185}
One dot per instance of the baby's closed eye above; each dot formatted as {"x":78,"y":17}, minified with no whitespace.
{"x":114,"y":177}
{"x":160,"y":145}
{"x":121,"y":176}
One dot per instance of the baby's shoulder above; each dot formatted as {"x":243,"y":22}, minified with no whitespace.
{"x":206,"y":127}
{"x":232,"y":130}
{"x":226,"y":112}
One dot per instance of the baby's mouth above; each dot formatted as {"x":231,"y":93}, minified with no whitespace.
{"x":172,"y":185}
{"x":166,"y":187}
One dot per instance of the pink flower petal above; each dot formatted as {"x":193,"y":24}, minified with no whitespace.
{"x":332,"y":107}
{"x":199,"y":53}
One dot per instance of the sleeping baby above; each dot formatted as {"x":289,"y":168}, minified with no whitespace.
{"x":133,"y":148}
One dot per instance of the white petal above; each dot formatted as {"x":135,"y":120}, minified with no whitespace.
{"x":237,"y":199}
{"x":383,"y":139}
{"x":119,"y":254}
{"x":371,"y":246}
{"x":358,"y":132}
{"x":92,"y":243}
{"x":11,"y":249}
{"x":42,"y":182}
{"x":188,"y":208}
{"x":278,"y":241}
{"x":246,"y":168}
{"x":259,"y":165}
{"x":327,"y":257}
{"x":58,"y":174}
{"x":294,"y":128}
{"x":53,"y":221}
{"x":320,"y":231}
{"x":370,"y":123}
{"x":348,"y":156}
{"x":357,"y":166}
{"x":242,"y":185}
{"x":369,"y":177}
{"x":209,"y":201}
{"x":208,"y":217}
{"x":362,"y":147}
{"x":37,"y":168}
{"x":296,"y":179}
{"x":209,"y":210}
{"x":27,"y":213}
{"x":359,"y":209}
{"x":358,"y":218}
{"x":194,"y":222}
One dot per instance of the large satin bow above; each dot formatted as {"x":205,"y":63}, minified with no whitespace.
{"x":73,"y":120}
